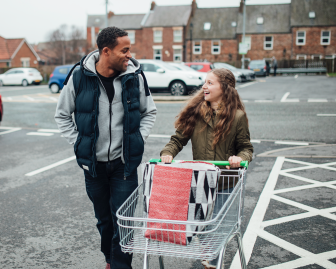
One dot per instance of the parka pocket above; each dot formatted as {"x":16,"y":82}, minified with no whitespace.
{"x":76,"y":144}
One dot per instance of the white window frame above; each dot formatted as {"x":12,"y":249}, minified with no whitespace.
{"x":155,"y":55}
{"x":315,"y":55}
{"x":330,"y":56}
{"x":177,"y":55}
{"x":325,"y":37}
{"x":207,"y":26}
{"x":304,"y":38}
{"x":260,"y":20}
{"x":215,"y":46}
{"x":200,"y":47}
{"x":133,"y":55}
{"x":157,"y":36}
{"x":268,"y":42}
{"x":301,"y":55}
{"x":131,"y":35}
{"x":25,"y":62}
{"x":178,"y":37}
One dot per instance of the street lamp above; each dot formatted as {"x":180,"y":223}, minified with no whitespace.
{"x":243,"y":41}
{"x":191,"y":27}
{"x":106,"y":15}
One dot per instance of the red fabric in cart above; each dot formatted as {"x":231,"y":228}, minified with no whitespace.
{"x":169,"y":200}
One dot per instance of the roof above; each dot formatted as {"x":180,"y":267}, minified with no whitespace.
{"x":126,"y":21}
{"x":8,"y":47}
{"x":220,"y":19}
{"x":325,"y":12}
{"x":96,"y":21}
{"x":168,"y":16}
{"x":276,"y":19}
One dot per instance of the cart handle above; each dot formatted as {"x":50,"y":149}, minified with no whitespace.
{"x":226,"y":163}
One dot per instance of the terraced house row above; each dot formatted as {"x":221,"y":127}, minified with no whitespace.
{"x":303,"y":29}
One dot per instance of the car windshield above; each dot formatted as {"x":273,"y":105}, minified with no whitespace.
{"x":223,"y":65}
{"x":168,"y":66}
{"x":33,"y":70}
{"x":256,"y":63}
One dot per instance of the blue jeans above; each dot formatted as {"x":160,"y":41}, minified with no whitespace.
{"x":108,"y":191}
{"x":220,"y":201}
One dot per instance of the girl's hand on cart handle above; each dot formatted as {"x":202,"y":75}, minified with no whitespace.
{"x":166,"y":159}
{"x":234,"y":162}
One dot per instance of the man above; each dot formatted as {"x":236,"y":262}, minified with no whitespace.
{"x":114,"y":113}
{"x":275,"y":65}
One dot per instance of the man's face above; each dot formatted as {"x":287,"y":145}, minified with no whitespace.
{"x":120,"y":55}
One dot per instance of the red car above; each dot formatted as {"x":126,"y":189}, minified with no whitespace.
{"x":1,"y":109}
{"x":200,"y":66}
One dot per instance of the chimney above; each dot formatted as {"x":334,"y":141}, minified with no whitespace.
{"x":152,"y":5}
{"x":193,"y":8}
{"x":110,"y":14}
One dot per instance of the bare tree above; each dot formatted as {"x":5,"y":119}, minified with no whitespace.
{"x":58,"y":40}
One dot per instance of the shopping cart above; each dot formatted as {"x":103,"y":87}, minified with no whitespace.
{"x":210,"y":237}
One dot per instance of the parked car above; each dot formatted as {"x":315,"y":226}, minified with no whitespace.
{"x":200,"y":66}
{"x":21,"y":76}
{"x":162,"y":76}
{"x":181,"y":66}
{"x":1,"y":109}
{"x":259,"y":67}
{"x":240,"y":74}
{"x":57,"y":77}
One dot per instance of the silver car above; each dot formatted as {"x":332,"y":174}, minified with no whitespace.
{"x":21,"y":76}
{"x":240,"y":74}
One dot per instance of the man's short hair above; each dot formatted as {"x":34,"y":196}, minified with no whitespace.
{"x":108,"y":37}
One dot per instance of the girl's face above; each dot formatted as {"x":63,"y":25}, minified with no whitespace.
{"x":212,"y":89}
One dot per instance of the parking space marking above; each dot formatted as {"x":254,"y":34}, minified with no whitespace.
{"x":284,"y":98}
{"x":326,"y":115}
{"x":317,"y":100}
{"x":49,"y":130}
{"x":263,"y":101}
{"x":291,"y":143}
{"x":255,"y":141}
{"x":9,"y":130}
{"x":40,"y":134}
{"x":256,"y":227}
{"x":158,"y":135}
{"x":29,"y":98}
{"x":35,"y":172}
{"x":247,"y":84}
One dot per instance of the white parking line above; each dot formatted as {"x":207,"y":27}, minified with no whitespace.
{"x":50,"y":166}
{"x":10,"y":130}
{"x":263,"y":101}
{"x":255,"y":141}
{"x":250,"y":235}
{"x":247,"y":84}
{"x":158,"y":135}
{"x":291,"y":143}
{"x":283,"y":99}
{"x":326,"y":115}
{"x":40,"y":134}
{"x":317,"y":100}
{"x":49,"y":130}
{"x":29,"y":98}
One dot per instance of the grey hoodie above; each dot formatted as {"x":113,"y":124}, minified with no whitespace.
{"x":66,"y":107}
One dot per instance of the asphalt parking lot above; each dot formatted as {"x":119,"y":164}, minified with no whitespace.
{"x":47,"y":220}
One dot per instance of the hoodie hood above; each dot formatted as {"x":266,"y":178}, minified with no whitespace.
{"x":88,"y":64}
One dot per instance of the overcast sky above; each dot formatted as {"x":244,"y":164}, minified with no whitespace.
{"x":35,"y":19}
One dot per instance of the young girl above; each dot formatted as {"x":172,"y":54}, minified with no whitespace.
{"x":215,"y":120}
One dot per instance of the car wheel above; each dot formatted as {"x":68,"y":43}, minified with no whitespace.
{"x":1,"y":83}
{"x":178,"y":88}
{"x":24,"y":83}
{"x":54,"y":88}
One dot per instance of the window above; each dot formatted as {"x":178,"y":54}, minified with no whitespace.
{"x":158,"y":36}
{"x":196,"y":66}
{"x":25,"y":62}
{"x":316,"y":57}
{"x":268,"y":43}
{"x":330,"y":56}
{"x":233,"y":24}
{"x":260,"y":20}
{"x":131,"y":35}
{"x":177,"y":35}
{"x":311,"y":14}
{"x":64,"y":71}
{"x":157,"y":54}
{"x":301,"y":57}
{"x":207,"y":26}
{"x":133,"y":55}
{"x":197,"y":47}
{"x":325,"y":37}
{"x":149,"y":67}
{"x":177,"y":55}
{"x":10,"y":72}
{"x":248,"y":41}
{"x":300,"y":38}
{"x":215,"y":48}
{"x":8,"y":64}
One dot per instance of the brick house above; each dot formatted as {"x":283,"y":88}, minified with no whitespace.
{"x":164,"y":30}
{"x":313,"y":25}
{"x":211,"y":35}
{"x":267,"y":31}
{"x":17,"y":53}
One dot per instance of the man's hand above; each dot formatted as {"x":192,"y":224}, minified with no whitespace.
{"x":166,"y":159}
{"x":234,"y":162}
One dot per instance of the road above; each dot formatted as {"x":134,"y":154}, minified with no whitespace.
{"x":47,"y":220}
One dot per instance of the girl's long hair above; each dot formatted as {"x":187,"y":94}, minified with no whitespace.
{"x":197,"y":108}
